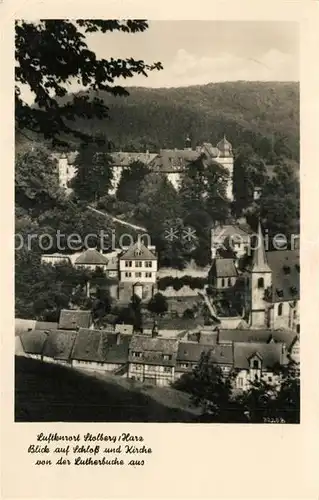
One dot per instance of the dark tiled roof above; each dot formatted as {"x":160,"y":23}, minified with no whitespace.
{"x":59,"y":344}
{"x":123,"y":158}
{"x":45,"y":325}
{"x":138,"y":251}
{"x":271,"y":354}
{"x":87,"y":345}
{"x":285,"y":267}
{"x":259,"y":336}
{"x":33,"y":342}
{"x":175,"y":324}
{"x":188,"y":351}
{"x":91,"y":257}
{"x":71,"y":319}
{"x":224,"y":268}
{"x":153,"y":350}
{"x":118,"y":350}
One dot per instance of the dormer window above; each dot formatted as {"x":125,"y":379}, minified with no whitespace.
{"x":293,"y":290}
{"x":286,"y":269}
{"x":136,"y":354}
{"x":138,"y":252}
{"x":167,"y":357}
{"x":279,"y":292}
{"x":255,"y":364}
{"x":260,"y":283}
{"x":298,"y":268}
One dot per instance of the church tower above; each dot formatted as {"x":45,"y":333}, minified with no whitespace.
{"x":260,"y":280}
{"x":226,"y":159}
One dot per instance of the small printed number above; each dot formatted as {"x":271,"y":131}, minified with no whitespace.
{"x":270,"y":420}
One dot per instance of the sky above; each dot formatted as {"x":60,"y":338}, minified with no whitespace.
{"x":199,"y":52}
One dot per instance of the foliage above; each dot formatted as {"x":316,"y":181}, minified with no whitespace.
{"x":178,"y":283}
{"x":51,"y":54}
{"x":266,"y":115}
{"x":158,"y":304}
{"x":130,"y":183}
{"x":209,"y":389}
{"x":36,"y":179}
{"x":94,"y":173}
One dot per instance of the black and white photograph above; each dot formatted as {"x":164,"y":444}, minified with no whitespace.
{"x":157,"y":221}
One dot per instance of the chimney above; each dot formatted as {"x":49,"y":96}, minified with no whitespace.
{"x":155,"y":329}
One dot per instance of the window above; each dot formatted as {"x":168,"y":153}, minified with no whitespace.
{"x":148,"y":275}
{"x":240,"y":382}
{"x":138,"y":263}
{"x":183,"y":365}
{"x":128,"y":263}
{"x":256,"y":364}
{"x":269,"y":379}
{"x":136,"y":354}
{"x":148,"y":263}
{"x":298,"y":328}
{"x":167,"y":369}
{"x":128,"y":275}
{"x":167,"y":357}
{"x":295,"y":314}
{"x":229,"y":281}
{"x":280,"y":309}
{"x":138,"y":275}
{"x":260,"y":283}
{"x":222,"y":282}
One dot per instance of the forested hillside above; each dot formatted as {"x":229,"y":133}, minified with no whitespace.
{"x":262,"y":114}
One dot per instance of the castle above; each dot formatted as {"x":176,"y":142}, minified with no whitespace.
{"x":171,"y":162}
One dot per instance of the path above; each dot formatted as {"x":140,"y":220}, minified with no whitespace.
{"x":115,"y":219}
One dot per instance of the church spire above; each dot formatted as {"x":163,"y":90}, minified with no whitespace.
{"x":260,"y":264}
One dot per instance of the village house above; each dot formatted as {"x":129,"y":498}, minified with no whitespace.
{"x":223,"y":274}
{"x":189,"y":355}
{"x":31,"y":344}
{"x":236,"y":237}
{"x":91,"y":259}
{"x":100,"y":350}
{"x":55,"y":259}
{"x":71,"y":319}
{"x":58,"y":346}
{"x":152,"y":359}
{"x":258,"y":361}
{"x":138,"y":268}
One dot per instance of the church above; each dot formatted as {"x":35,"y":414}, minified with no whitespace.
{"x":171,"y":162}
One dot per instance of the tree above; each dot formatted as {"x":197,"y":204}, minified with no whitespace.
{"x":158,"y":304}
{"x":210,"y":390}
{"x":36,"y":179}
{"x":130,"y":183}
{"x":51,"y":54}
{"x":94,"y":173}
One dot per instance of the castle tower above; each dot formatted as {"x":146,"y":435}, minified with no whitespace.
{"x":63,"y":171}
{"x":226,"y":159}
{"x":260,"y":280}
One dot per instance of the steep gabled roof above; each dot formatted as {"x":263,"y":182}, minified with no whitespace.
{"x":59,"y":344}
{"x":33,"y":342}
{"x":72,"y":319}
{"x":259,"y":264}
{"x":153,"y":349}
{"x":224,"y":268}
{"x":138,"y":251}
{"x":91,"y":257}
{"x":272,"y":354}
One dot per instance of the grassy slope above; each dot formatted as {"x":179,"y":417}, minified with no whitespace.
{"x":45,"y":392}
